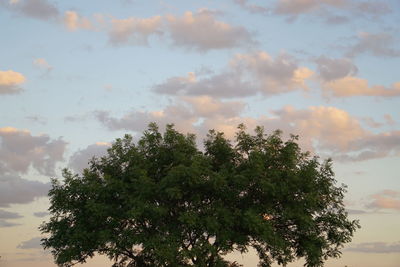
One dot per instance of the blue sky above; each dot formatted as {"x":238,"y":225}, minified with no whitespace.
{"x":75,"y":75}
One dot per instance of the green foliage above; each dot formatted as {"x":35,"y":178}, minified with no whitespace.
{"x":163,"y":202}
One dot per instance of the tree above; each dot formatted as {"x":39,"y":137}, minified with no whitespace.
{"x":163,"y":202}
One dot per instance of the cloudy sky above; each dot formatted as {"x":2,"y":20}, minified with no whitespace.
{"x":75,"y":75}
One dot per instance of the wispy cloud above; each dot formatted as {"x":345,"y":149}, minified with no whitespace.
{"x":386,"y":199}
{"x":376,"y":247}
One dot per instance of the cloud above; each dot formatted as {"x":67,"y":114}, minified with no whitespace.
{"x":79,"y":160}
{"x":202,"y":32}
{"x":331,"y":69}
{"x":199,"y":30}
{"x":10,"y":82}
{"x":33,"y":243}
{"x":136,"y":121}
{"x":376,"y":44}
{"x":42,"y":63}
{"x":330,"y":131}
{"x":354,"y":86}
{"x":16,"y":190}
{"x":226,"y":84}
{"x":386,"y":199}
{"x":296,"y":7}
{"x":246,"y":75}
{"x":41,"y":214}
{"x":320,"y":127}
{"x":4,"y":223}
{"x":9,"y":215}
{"x":37,"y":9}
{"x":19,"y":150}
{"x":376,"y":247}
{"x":355,"y":212}
{"x":73,"y":21}
{"x":331,"y":11}
{"x":136,"y":31}
{"x":273,"y":76}
{"x":252,"y":8}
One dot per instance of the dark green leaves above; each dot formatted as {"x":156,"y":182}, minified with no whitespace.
{"x":163,"y":202}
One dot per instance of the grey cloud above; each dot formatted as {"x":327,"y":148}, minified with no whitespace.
{"x":341,"y":136}
{"x":226,"y":84}
{"x":9,"y":215}
{"x":79,"y":160}
{"x":33,"y":243}
{"x":331,"y":11}
{"x":332,"y":69}
{"x":202,"y":32}
{"x":186,"y":113}
{"x":386,"y":199}
{"x":355,"y":212}
{"x":376,"y":146}
{"x":19,"y":150}
{"x":135,"y":31}
{"x":252,"y":8}
{"x":297,"y":7}
{"x":4,"y":223}
{"x":41,"y":214}
{"x":246,"y":75}
{"x":16,"y":190}
{"x":199,"y":31}
{"x":180,"y":115}
{"x":376,"y":247}
{"x":10,"y":89}
{"x":38,"y":9}
{"x":377,"y":44}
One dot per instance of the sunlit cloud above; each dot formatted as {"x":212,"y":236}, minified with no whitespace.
{"x":354,"y":86}
{"x":10,"y":82}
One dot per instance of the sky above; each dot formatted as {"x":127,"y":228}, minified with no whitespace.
{"x":76,"y":75}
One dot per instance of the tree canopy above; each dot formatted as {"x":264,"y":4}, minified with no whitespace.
{"x":163,"y":202}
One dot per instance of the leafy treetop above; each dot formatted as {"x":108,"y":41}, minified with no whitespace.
{"x":163,"y":202}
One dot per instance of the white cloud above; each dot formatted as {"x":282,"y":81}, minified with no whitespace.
{"x":19,"y":150}
{"x":10,"y":82}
